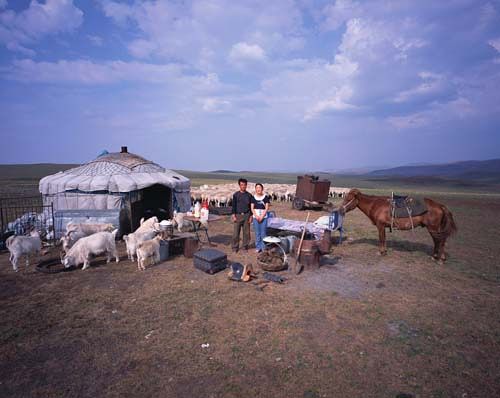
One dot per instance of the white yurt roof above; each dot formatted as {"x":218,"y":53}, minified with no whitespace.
{"x":113,"y":172}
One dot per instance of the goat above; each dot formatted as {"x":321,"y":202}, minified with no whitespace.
{"x":93,"y":245}
{"x":132,"y":241}
{"x":70,"y":239}
{"x":23,"y":245}
{"x":151,"y":224}
{"x":88,"y":228}
{"x":148,"y":249}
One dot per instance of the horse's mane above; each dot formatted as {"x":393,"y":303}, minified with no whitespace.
{"x":358,"y":192}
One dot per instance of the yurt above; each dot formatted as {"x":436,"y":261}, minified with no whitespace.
{"x":119,"y":188}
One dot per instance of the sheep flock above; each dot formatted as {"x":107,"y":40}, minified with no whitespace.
{"x":220,"y":195}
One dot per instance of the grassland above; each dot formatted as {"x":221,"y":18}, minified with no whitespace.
{"x":361,"y":325}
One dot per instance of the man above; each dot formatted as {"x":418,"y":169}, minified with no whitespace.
{"x":241,"y":215}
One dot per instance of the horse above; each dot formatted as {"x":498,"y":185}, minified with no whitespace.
{"x":438,"y":219}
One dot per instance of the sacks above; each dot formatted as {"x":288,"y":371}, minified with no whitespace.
{"x":210,"y":261}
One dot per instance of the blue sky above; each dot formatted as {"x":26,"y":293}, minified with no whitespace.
{"x":250,"y":85}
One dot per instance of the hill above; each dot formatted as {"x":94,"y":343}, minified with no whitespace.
{"x":471,"y":170}
{"x":31,"y":171}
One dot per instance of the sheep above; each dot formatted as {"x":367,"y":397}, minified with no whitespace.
{"x":132,"y":241}
{"x":95,"y":244}
{"x":148,"y":249}
{"x":23,"y":245}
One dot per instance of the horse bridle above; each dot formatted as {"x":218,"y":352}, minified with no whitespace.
{"x":344,"y":207}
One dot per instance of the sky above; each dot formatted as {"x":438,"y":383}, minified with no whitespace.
{"x":250,"y":85}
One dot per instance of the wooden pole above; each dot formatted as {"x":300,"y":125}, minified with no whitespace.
{"x":298,"y":266}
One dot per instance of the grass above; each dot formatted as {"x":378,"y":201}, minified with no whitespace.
{"x":363,"y":326}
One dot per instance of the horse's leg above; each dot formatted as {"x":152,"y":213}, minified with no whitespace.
{"x":381,"y":238}
{"x":436,"y":246}
{"x":442,"y":254}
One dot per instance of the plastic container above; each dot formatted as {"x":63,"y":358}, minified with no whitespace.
{"x":197,"y":209}
{"x":204,"y":212}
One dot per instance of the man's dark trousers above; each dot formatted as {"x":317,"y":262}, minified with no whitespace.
{"x":241,"y":223}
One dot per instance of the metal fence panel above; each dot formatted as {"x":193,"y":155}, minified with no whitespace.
{"x":63,"y":217}
{"x":19,"y":216}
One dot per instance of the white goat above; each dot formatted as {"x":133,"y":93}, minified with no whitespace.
{"x":151,"y":224}
{"x":23,"y":245}
{"x":93,"y":245}
{"x":88,"y":228}
{"x":148,"y":249}
{"x":181,"y":224}
{"x":70,"y":239}
{"x":133,"y":239}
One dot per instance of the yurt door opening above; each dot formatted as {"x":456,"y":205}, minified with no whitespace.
{"x":156,"y":201}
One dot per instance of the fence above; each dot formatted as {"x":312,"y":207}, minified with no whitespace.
{"x":18,"y":216}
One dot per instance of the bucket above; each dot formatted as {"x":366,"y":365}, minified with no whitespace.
{"x":285,"y":244}
{"x":326,"y":242}
{"x":190,"y":247}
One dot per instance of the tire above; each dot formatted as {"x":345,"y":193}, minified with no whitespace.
{"x":52,"y":266}
{"x":298,"y":204}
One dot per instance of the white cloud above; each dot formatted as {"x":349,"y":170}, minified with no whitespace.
{"x":88,"y":72}
{"x":40,"y":19}
{"x":243,"y":52}
{"x":215,"y":105}
{"x":335,"y":103}
{"x":432,"y":84}
{"x":3,"y":4}
{"x":337,"y":13}
{"x":192,"y":31}
{"x":495,"y":43}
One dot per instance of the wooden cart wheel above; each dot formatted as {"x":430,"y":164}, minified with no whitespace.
{"x":298,"y":204}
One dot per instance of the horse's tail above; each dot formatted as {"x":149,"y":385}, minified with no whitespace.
{"x":448,"y":226}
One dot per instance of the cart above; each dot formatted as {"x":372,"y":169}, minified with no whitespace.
{"x":311,"y":193}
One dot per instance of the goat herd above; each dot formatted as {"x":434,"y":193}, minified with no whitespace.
{"x":85,"y":240}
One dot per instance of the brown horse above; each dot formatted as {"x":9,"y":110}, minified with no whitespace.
{"x":438,"y":219}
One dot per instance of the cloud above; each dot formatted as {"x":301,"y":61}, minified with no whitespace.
{"x":37,"y":21}
{"x":495,"y":43}
{"x":337,"y":13}
{"x":432,"y":85}
{"x":94,"y":73}
{"x":243,"y":52}
{"x":215,"y":105}
{"x":191,"y":31}
{"x":338,"y":102}
{"x":457,"y":108}
{"x":3,"y":4}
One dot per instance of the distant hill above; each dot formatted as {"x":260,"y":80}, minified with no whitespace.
{"x":223,"y":172}
{"x":478,"y":170}
{"x":31,"y":171}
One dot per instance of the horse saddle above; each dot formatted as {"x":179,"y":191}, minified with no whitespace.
{"x":406,"y":206}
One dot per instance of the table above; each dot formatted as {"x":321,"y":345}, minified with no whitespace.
{"x":198,"y":226}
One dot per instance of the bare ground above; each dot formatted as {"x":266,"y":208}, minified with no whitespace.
{"x":361,"y":325}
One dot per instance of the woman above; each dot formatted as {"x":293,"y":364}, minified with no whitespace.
{"x":259,"y":206}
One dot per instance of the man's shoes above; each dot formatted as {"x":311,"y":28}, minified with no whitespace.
{"x":245,"y":248}
{"x":235,"y":250}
